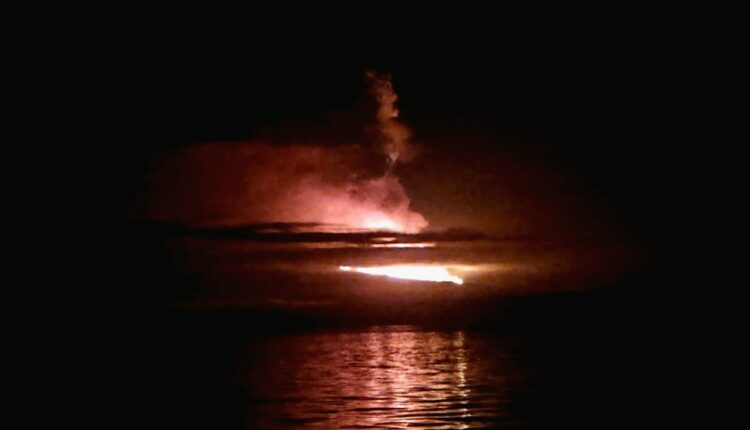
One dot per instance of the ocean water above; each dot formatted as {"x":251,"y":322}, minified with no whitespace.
{"x":380,"y":377}
{"x":242,"y":335}
{"x":393,"y":376}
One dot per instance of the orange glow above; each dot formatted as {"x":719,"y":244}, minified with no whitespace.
{"x":382,"y":222}
{"x":404,"y":245}
{"x":417,"y":272}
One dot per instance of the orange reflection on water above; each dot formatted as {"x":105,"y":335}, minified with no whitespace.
{"x":414,"y":373}
{"x":389,"y":377}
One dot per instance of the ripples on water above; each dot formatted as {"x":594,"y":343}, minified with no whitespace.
{"x":217,"y":359}
{"x":390,"y":377}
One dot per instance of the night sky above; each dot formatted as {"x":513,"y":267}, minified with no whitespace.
{"x":518,"y":131}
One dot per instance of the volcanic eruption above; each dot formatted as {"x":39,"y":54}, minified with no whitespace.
{"x":333,"y":186}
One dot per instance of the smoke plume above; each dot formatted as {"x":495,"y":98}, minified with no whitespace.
{"x":219,"y":184}
{"x":394,"y":135}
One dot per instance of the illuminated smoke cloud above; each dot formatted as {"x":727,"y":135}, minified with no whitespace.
{"x":239,"y":183}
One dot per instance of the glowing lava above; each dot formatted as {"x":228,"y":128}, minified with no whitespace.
{"x":382,"y":223}
{"x":417,"y":272}
{"x":404,"y":245}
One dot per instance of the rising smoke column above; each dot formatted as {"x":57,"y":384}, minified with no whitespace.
{"x":394,"y":139}
{"x":393,"y":134}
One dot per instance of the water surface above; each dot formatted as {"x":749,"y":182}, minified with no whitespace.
{"x":384,"y":377}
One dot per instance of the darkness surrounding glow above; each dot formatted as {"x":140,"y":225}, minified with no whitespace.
{"x":238,"y":178}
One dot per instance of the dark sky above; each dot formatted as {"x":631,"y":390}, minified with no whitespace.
{"x":555,"y":125}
